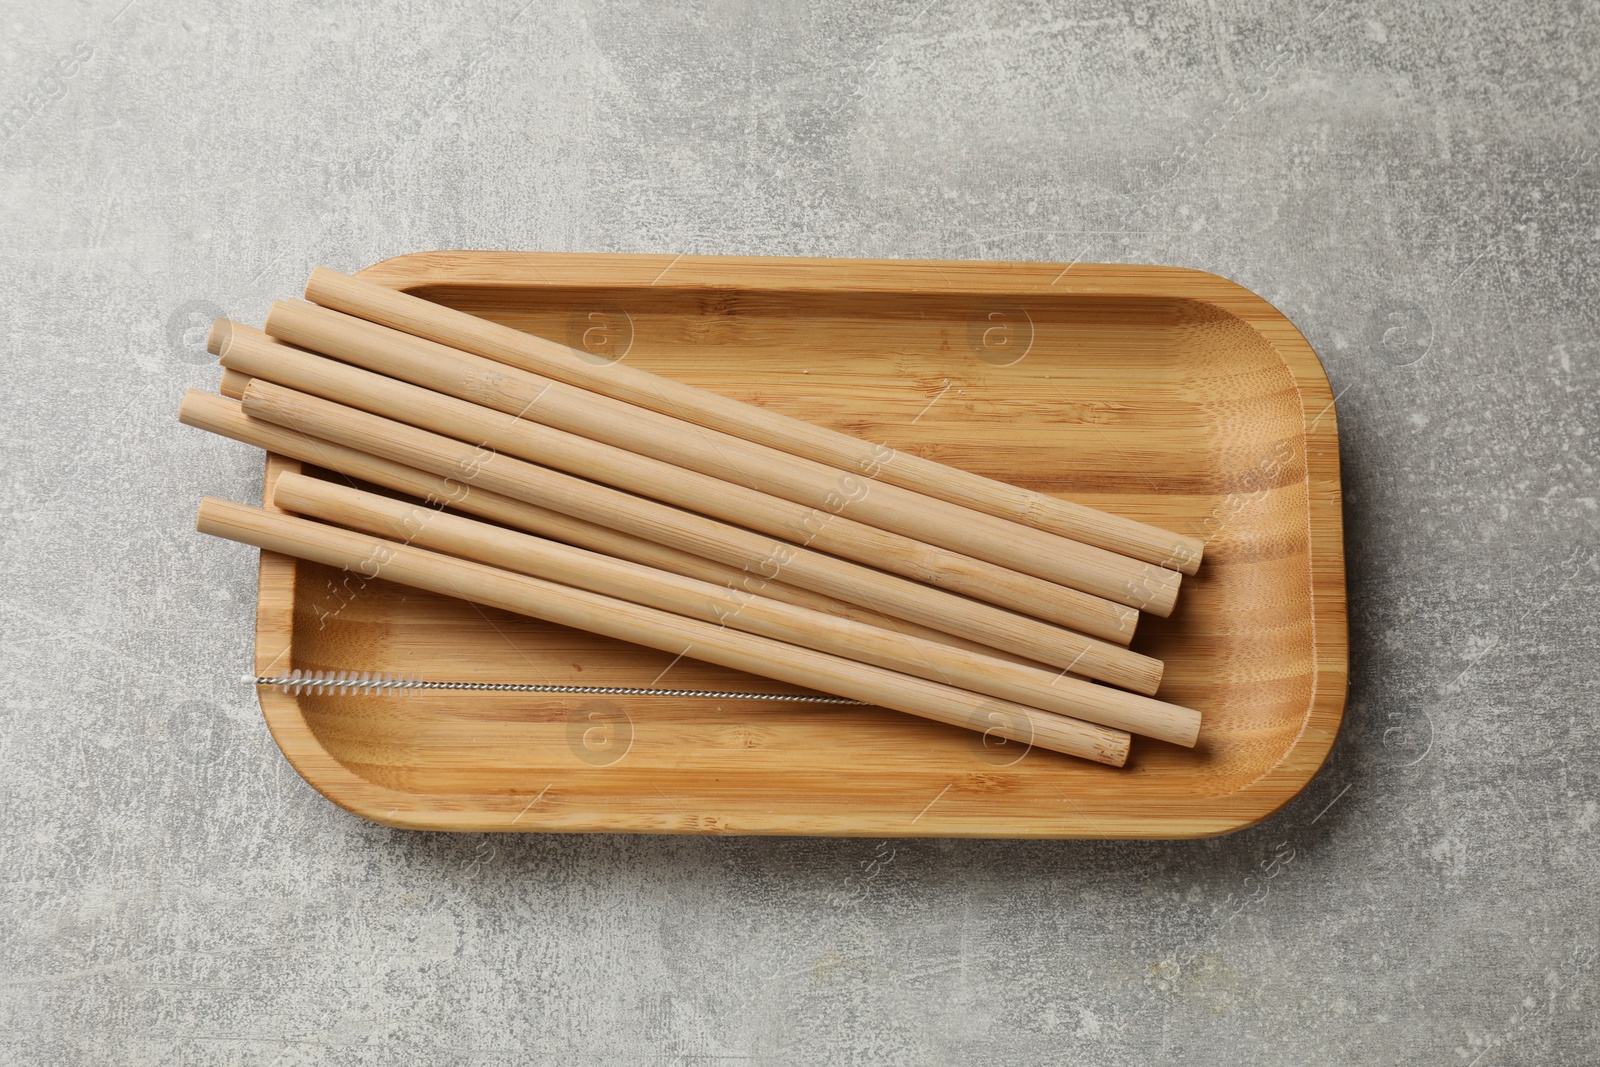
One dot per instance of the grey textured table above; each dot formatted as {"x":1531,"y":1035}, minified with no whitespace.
{"x":1414,"y":187}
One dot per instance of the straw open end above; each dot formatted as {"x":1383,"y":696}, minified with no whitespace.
{"x":217,"y":340}
{"x":205,"y":519}
{"x":319,"y":274}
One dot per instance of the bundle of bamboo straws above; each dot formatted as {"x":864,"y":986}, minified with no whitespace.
{"x":654,"y":512}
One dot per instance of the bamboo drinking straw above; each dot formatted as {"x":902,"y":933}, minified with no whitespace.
{"x":624,"y":621}
{"x":233,"y":383}
{"x":684,"y":530}
{"x":226,"y":418}
{"x":253,"y":353}
{"x":720,"y":455}
{"x":416,"y":524}
{"x":423,"y":318}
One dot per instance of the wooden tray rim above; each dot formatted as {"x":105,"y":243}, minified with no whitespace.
{"x":517,"y":270}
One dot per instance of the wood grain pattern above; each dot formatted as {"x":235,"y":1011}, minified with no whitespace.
{"x":424,"y":526}
{"x":355,"y":552}
{"x":226,"y":417}
{"x":1168,"y":396}
{"x":636,"y":385}
{"x":523,"y":438}
{"x":452,"y":458}
{"x":726,"y":468}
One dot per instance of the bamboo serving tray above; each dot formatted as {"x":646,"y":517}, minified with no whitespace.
{"x":1171,"y":396}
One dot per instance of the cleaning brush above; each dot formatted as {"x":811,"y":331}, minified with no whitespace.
{"x":369,"y":683}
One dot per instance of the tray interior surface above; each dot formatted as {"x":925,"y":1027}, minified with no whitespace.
{"x":1166,"y":408}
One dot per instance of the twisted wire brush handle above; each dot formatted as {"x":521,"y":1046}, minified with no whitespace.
{"x":368,"y":683}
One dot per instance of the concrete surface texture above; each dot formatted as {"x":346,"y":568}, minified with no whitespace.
{"x":1413,"y":184}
